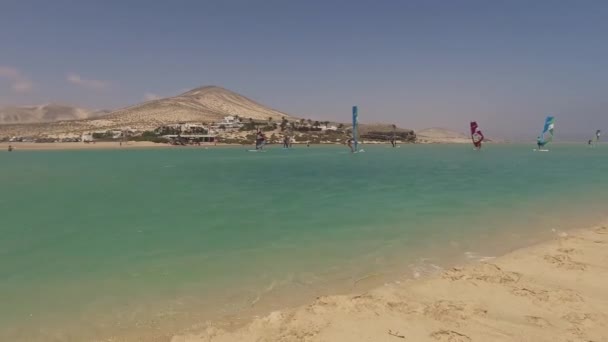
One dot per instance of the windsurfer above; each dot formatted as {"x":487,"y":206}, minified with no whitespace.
{"x":350,"y":142}
{"x":476,"y":135}
{"x":540,"y":143}
{"x":260,"y":140}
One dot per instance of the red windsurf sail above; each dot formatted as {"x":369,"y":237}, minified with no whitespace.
{"x":476,"y":134}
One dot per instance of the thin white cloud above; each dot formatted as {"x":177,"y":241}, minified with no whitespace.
{"x":151,"y":97}
{"x":19,"y":83}
{"x":94,"y":84}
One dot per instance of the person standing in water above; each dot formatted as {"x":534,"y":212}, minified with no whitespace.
{"x":260,"y":140}
{"x":539,"y":143}
{"x":286,"y":142}
{"x":350,"y":142}
{"x":10,"y":148}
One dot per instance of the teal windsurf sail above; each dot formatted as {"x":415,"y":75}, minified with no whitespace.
{"x":547,"y":135}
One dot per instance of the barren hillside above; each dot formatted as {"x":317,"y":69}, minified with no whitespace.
{"x":441,"y":135}
{"x":205,"y":104}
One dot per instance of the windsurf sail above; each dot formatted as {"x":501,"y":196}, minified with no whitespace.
{"x":476,"y":135}
{"x":547,"y":134}
{"x":355,"y":127}
{"x":597,"y":135}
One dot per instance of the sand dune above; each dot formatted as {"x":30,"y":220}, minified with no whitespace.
{"x":555,"y":291}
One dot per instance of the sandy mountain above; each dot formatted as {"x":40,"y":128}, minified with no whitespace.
{"x":441,"y":135}
{"x":45,"y":113}
{"x":205,"y":104}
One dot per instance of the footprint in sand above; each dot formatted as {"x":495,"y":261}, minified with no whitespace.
{"x":321,"y":304}
{"x":601,"y":230}
{"x":567,"y":295}
{"x":552,"y":295}
{"x":444,"y":310}
{"x":448,"y":311}
{"x":487,"y":272}
{"x":581,"y":322}
{"x":450,"y":336}
{"x":581,"y":318}
{"x":300,"y":335}
{"x":538,"y":321}
{"x":536,"y":294}
{"x":568,"y":251}
{"x":401,"y":307}
{"x":565,"y":261}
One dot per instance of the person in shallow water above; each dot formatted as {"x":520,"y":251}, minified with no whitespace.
{"x":10,"y":148}
{"x":350,"y":142}
{"x":393,"y":142}
{"x":286,"y":141}
{"x":539,"y":143}
{"x":260,"y":140}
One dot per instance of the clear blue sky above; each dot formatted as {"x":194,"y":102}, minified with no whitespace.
{"x":506,"y":64}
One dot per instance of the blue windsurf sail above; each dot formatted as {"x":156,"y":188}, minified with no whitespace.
{"x":547,"y":135}
{"x":355,"y":127}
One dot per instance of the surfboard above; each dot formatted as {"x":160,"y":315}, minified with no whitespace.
{"x":256,"y":151}
{"x":537,"y":150}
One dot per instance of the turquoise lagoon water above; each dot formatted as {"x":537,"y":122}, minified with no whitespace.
{"x":95,"y":244}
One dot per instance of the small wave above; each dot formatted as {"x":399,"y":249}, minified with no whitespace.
{"x":424,"y":268}
{"x":486,"y":258}
{"x":476,"y":257}
{"x":274,"y":284}
{"x":559,"y":233}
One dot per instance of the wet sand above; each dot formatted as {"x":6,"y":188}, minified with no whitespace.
{"x":553,"y":291}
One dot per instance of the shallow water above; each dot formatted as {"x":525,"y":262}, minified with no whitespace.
{"x":99,"y":243}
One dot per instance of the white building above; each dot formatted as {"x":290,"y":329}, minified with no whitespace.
{"x":86,"y":137}
{"x":191,"y":126}
{"x":231,"y":120}
{"x":229,"y":123}
{"x":328,"y":128}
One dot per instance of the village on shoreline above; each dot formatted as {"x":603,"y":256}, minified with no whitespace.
{"x":208,"y":115}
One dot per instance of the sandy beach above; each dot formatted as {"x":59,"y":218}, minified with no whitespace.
{"x":554,"y":291}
